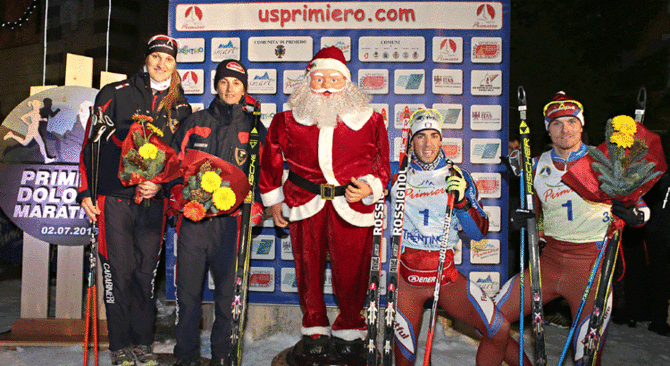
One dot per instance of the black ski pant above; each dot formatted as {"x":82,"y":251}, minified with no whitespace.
{"x":207,"y":244}
{"x":130,"y":238}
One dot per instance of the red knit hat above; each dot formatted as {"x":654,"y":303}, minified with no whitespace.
{"x":562,"y":105}
{"x":330,"y":58}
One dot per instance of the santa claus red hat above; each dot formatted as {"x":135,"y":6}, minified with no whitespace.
{"x":330,"y":58}
{"x":562,"y":105}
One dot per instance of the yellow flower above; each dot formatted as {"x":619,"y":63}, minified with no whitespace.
{"x":155,"y":129}
{"x":624,"y":124}
{"x":210,"y":181}
{"x":148,"y":151}
{"x":139,"y":118}
{"x":224,"y":198}
{"x":621,"y":139}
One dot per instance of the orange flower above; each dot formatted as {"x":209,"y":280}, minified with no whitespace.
{"x":194,"y":211}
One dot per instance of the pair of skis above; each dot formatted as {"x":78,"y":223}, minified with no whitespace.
{"x":239,"y":305}
{"x":102,"y":128}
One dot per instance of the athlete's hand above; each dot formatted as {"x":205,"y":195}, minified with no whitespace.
{"x":147,"y":190}
{"x":630,"y":215}
{"x":92,"y":211}
{"x":357,"y":190}
{"x":457,"y":185}
{"x":520,"y":218}
{"x":278,"y":216}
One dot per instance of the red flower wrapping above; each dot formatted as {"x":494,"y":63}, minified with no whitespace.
{"x":190,"y":165}
{"x":170,"y":170}
{"x":584,"y":180}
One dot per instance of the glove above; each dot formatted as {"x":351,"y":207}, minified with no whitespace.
{"x":630,"y":215}
{"x":457,"y":184}
{"x":520,"y":218}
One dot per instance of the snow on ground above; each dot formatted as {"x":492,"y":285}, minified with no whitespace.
{"x":625,"y":346}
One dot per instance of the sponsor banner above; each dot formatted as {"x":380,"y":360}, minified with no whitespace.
{"x":225,"y":48}
{"x":268,"y":111}
{"x":262,"y":279}
{"x":263,"y":247}
{"x":343,"y":43}
{"x":487,"y":281}
{"x":286,"y":249}
{"x":452,"y":115}
{"x":391,"y":49}
{"x":291,"y":80}
{"x":262,"y":81}
{"x":448,"y":50}
{"x":383,"y":109}
{"x":191,"y":50}
{"x":485,"y":117}
{"x":488,"y":184}
{"x":197,"y":106}
{"x":458,"y":253}
{"x":374,"y":81}
{"x":494,"y":218}
{"x":486,"y":50}
{"x":485,"y":251}
{"x":280,"y":49}
{"x":40,"y":145}
{"x":485,"y":151}
{"x":289,"y":282}
{"x":453,"y":149}
{"x":192,"y":80}
{"x":399,"y":113}
{"x":486,"y":82}
{"x":339,"y":15}
{"x":409,"y":81}
{"x":448,"y":81}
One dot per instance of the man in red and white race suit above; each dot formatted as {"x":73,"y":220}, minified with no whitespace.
{"x":574,"y":228}
{"x":337,"y":151}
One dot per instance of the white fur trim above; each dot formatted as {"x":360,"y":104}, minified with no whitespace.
{"x":350,"y":334}
{"x":330,"y":63}
{"x":273,"y":197}
{"x":376,"y":186}
{"x":315,"y":330}
{"x":357,"y":119}
{"x":306,"y":210}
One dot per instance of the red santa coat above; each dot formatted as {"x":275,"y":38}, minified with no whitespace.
{"x":357,"y":147}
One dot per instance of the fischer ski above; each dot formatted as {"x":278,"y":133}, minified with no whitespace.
{"x":396,"y":241}
{"x":372,"y":313}
{"x":596,"y":322}
{"x":239,"y":305}
{"x":537,"y":311}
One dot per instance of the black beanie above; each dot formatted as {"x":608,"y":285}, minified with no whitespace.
{"x":162,"y":43}
{"x":231,"y":68}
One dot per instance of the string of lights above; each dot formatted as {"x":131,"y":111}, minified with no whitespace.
{"x":24,"y":18}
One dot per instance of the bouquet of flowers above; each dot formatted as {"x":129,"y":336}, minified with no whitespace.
{"x":145,"y":157}
{"x":212,"y":186}
{"x":622,"y":168}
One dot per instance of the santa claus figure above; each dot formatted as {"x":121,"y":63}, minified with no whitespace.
{"x":337,"y":151}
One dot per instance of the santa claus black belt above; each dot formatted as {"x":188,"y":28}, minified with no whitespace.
{"x":326,"y":191}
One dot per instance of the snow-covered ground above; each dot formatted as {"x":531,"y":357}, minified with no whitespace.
{"x":625,"y":346}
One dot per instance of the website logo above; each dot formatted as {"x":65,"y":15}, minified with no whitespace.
{"x":191,"y":50}
{"x":192,"y":81}
{"x":410,"y":81}
{"x":262,"y":279}
{"x":448,"y":49}
{"x":488,"y":184}
{"x":453,"y":149}
{"x":486,"y":117}
{"x":262,"y":81}
{"x":486,"y":50}
{"x":225,"y":49}
{"x":485,"y":251}
{"x":263,"y":247}
{"x":486,"y":82}
{"x":374,"y":81}
{"x":448,"y":81}
{"x":192,"y":18}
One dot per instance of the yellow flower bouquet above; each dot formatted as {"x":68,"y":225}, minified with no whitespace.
{"x":145,"y":156}
{"x":212,"y":186}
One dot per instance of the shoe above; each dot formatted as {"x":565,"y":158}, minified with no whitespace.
{"x":123,"y":357}
{"x":660,"y":328}
{"x":145,"y":356}
{"x":558,"y":319}
{"x":312,"y":347}
{"x":191,"y":362}
{"x":348,"y":350}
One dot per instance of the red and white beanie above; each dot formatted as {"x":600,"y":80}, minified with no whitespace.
{"x":330,"y":58}
{"x":562,"y":105}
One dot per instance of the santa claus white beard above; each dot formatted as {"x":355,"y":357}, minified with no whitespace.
{"x":325,"y":109}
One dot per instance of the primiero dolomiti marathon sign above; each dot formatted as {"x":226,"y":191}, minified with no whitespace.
{"x":40,"y":142}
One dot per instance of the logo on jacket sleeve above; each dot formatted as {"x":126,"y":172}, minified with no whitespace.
{"x":240,"y":156}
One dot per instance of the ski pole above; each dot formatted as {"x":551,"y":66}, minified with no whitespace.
{"x":521,"y":96}
{"x":438,"y":278}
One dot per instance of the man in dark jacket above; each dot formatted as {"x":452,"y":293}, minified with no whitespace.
{"x":130,"y":235}
{"x":221,"y":130}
